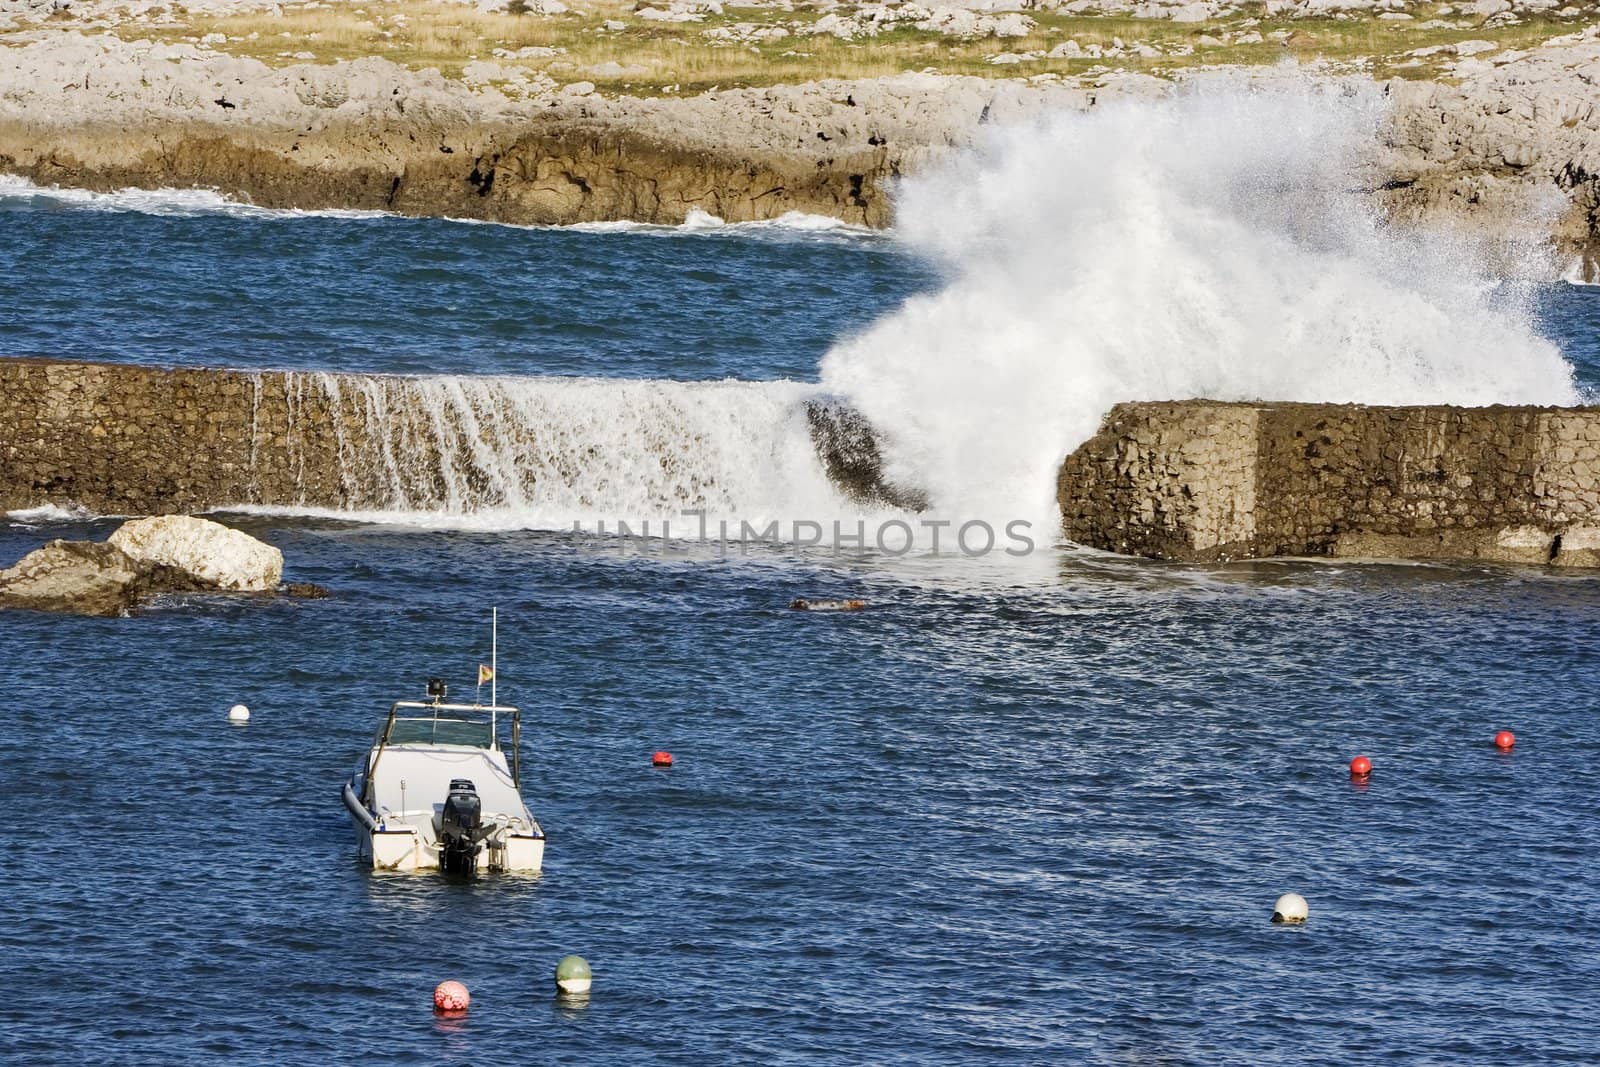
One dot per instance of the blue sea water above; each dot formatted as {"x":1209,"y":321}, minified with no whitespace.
{"x":1008,"y":815}
{"x":432,"y":296}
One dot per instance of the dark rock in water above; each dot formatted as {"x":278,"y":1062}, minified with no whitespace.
{"x":848,"y":447}
{"x":802,"y":604}
{"x":88,"y":578}
{"x":74,"y":576}
{"x":306,"y":591}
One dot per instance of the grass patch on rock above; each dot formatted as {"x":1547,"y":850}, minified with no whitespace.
{"x":621,"y":50}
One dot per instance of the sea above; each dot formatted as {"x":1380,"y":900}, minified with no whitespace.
{"x":1027,"y":808}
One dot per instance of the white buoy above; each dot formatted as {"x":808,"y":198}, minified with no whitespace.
{"x":1290,"y":908}
{"x":238,"y":713}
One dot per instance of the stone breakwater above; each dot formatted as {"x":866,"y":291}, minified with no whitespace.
{"x":124,"y":439}
{"x":1192,"y":480}
{"x":140,"y":440}
{"x":1206,"y":481}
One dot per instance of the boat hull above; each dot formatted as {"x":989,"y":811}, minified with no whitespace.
{"x":408,"y":849}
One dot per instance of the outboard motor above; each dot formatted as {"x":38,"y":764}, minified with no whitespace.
{"x":461,"y":832}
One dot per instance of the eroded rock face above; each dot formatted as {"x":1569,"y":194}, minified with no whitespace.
{"x":369,"y":134}
{"x":212,"y":554}
{"x":97,"y":112}
{"x":1517,"y":133}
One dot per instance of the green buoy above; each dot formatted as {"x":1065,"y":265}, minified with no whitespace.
{"x":573,"y":976}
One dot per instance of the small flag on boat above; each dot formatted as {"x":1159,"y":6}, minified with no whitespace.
{"x":485,"y":674}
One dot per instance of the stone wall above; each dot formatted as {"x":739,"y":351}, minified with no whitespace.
{"x":1187,"y":480}
{"x":143,"y":440}
{"x":125,"y":439}
{"x":1203,"y":481}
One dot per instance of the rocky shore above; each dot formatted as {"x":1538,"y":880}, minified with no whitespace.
{"x":100,"y":113}
{"x":87,"y":103}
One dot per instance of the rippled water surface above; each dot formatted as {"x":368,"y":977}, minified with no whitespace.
{"x":1033,"y":812}
{"x":425,"y":295}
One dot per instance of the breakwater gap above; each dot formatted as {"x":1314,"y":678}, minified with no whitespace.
{"x":1200,"y":481}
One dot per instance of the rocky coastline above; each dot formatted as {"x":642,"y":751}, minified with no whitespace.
{"x":101,"y":114}
{"x":1505,"y":137}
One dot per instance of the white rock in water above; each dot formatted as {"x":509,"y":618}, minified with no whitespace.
{"x":209,"y":551}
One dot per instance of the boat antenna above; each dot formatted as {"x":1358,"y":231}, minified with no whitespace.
{"x":494,"y":684}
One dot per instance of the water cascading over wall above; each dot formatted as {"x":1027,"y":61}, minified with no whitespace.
{"x":1189,"y":480}
{"x":539,"y":452}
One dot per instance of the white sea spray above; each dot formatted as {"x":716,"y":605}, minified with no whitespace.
{"x":1220,"y":244}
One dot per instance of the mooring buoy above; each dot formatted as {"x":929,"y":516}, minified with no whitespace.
{"x":1290,"y":908}
{"x":450,"y":996}
{"x":573,"y":976}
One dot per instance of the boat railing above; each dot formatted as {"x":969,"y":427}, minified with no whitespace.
{"x":434,"y":707}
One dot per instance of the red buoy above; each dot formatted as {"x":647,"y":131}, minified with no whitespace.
{"x":1504,"y":740}
{"x":661,"y":759}
{"x":450,"y":997}
{"x":1360,"y":767}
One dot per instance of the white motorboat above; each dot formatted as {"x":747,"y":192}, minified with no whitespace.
{"x":436,"y":793}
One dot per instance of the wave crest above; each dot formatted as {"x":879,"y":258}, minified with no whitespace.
{"x":1220,"y":244}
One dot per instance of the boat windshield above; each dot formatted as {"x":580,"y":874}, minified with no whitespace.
{"x":432,"y":731}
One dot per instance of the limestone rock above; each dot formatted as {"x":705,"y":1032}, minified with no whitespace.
{"x":1522,"y":544}
{"x":1579,"y":547}
{"x":1511,"y":133}
{"x":206,"y":550}
{"x":74,"y":576}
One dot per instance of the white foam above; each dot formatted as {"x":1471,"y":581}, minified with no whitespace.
{"x":1578,"y":274}
{"x":193,"y":203}
{"x":790,"y":223}
{"x":500,"y":453}
{"x":1200,"y":246}
{"x":176,"y":203}
{"x":50,"y":513}
{"x":1213,"y":245}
